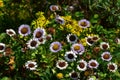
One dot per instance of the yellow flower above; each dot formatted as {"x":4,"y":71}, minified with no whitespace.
{"x":83,"y":41}
{"x":41,"y":21}
{"x":61,"y":27}
{"x":39,"y":14}
{"x":68,"y":26}
{"x":66,"y":18}
{"x":1,"y":3}
{"x":71,"y":25}
{"x":59,"y":75}
{"x":51,"y":16}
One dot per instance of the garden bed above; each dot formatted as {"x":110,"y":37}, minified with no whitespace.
{"x":59,"y":40}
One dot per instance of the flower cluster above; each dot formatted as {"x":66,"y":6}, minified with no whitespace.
{"x":60,"y":47}
{"x":82,"y":65}
{"x":71,"y":25}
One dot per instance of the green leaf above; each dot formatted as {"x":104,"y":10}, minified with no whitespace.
{"x":5,"y":78}
{"x":93,"y":21}
{"x":78,"y":14}
{"x":93,"y":77}
{"x":117,"y":56}
{"x":102,"y":74}
{"x":117,"y":73}
{"x":2,"y":36}
{"x":96,"y":16}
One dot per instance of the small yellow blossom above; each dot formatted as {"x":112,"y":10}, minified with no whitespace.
{"x":62,"y":55}
{"x":67,"y":18}
{"x":51,"y":16}
{"x":59,"y":75}
{"x":71,"y":25}
{"x":83,"y":41}
{"x":39,"y":14}
{"x":91,"y":35}
{"x":41,"y":21}
{"x":1,"y":3}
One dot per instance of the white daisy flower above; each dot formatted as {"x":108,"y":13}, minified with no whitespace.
{"x":104,"y":45}
{"x":10,"y":32}
{"x":117,"y":40}
{"x":61,"y":64}
{"x":54,"y":8}
{"x":112,"y":67}
{"x":70,"y":8}
{"x":70,"y":56}
{"x":93,"y":64}
{"x":39,"y":33}
{"x":31,"y":65}
{"x":24,"y":30}
{"x":2,"y":47}
{"x":55,"y":46}
{"x":42,"y":40}
{"x":59,"y":20}
{"x":95,"y":38}
{"x":33,"y":43}
{"x":84,"y":23}
{"x":106,"y":56}
{"x":72,"y":38}
{"x":49,"y":37}
{"x":82,"y":66}
{"x":89,"y":41}
{"x":74,"y":75}
{"x":78,"y":48}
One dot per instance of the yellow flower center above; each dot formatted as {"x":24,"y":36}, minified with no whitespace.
{"x":76,"y":48}
{"x":83,"y":24}
{"x":1,"y":4}
{"x":56,"y":46}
